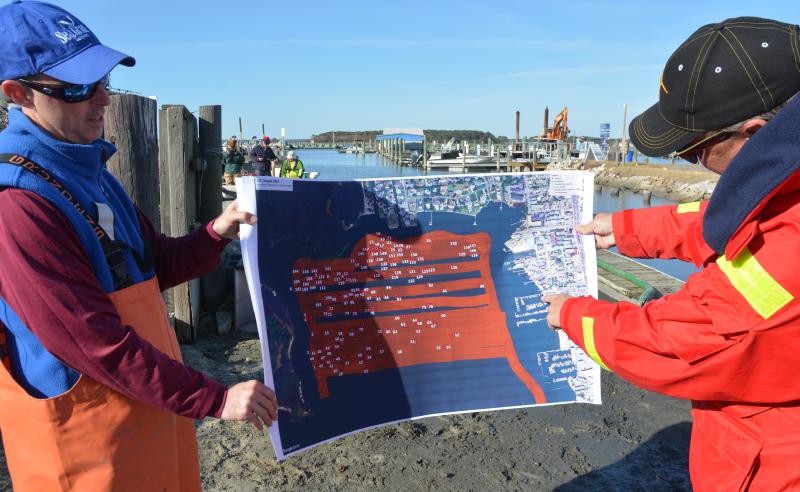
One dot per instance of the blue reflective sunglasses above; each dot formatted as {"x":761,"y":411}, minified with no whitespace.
{"x":71,"y":93}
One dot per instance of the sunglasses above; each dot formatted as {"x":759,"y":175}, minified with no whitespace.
{"x":72,"y":93}
{"x":693,"y":151}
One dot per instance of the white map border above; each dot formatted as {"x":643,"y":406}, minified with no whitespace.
{"x":246,"y":194}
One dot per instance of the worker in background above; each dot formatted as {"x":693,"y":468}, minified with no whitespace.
{"x":232,"y":162}
{"x":93,"y":393}
{"x":292,"y":166}
{"x":729,"y":340}
{"x":261,"y":158}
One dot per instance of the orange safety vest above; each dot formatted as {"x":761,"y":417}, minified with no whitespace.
{"x":93,"y":438}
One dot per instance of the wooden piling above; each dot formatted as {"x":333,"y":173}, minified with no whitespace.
{"x":177,"y":138}
{"x":130,"y":124}
{"x":210,"y":175}
{"x":210,"y":143}
{"x":425,"y":163}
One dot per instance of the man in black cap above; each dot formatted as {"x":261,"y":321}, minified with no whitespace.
{"x":730,"y":339}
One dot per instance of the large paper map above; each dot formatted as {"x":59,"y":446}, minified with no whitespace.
{"x":384,"y":300}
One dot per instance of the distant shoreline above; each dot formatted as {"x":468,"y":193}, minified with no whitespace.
{"x":669,"y":181}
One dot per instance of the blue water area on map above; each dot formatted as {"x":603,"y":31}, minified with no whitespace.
{"x":321,"y":221}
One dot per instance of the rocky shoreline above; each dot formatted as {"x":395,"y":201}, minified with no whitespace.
{"x":676,"y":182}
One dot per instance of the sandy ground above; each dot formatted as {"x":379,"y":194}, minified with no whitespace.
{"x":636,"y":440}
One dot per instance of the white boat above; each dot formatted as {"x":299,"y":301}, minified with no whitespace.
{"x":456,"y":158}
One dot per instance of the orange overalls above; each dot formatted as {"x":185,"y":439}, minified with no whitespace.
{"x":93,"y":438}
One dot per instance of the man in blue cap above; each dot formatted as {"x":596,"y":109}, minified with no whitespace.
{"x":93,"y":393}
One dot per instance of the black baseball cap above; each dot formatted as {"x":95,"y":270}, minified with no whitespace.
{"x":723,"y":74}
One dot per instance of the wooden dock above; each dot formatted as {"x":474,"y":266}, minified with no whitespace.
{"x":499,"y":166}
{"x":615,"y":287}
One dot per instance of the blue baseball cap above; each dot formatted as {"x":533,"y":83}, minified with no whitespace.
{"x":42,"y":38}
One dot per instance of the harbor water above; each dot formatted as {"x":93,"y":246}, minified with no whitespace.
{"x":333,"y":165}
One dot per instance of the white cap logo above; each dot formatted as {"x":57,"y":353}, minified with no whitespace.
{"x":72,"y":31}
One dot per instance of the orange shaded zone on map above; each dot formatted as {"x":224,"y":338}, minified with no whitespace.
{"x":351,"y":312}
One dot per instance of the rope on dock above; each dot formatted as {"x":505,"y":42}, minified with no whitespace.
{"x":650,"y":293}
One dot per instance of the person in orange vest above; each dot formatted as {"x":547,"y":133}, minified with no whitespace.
{"x":93,"y":392}
{"x":729,"y":340}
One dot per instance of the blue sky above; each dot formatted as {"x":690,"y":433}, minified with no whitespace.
{"x":317,"y":66}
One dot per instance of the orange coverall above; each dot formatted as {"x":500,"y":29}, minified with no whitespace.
{"x":729,"y":340}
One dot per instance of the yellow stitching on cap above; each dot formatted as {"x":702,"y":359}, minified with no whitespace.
{"x":704,"y":51}
{"x":666,"y":138}
{"x":763,"y":84}
{"x":749,"y":76}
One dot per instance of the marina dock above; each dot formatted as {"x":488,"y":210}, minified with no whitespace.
{"x":623,"y":279}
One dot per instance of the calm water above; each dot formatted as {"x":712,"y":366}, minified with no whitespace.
{"x":335,"y":166}
{"x":605,"y":201}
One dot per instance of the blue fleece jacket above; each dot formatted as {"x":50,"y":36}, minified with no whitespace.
{"x":81,"y":169}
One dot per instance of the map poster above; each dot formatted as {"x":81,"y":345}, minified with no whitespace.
{"x":384,"y":300}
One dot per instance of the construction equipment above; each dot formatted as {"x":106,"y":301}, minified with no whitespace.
{"x":559,"y":130}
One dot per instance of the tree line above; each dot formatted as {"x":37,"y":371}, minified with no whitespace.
{"x":344,"y":137}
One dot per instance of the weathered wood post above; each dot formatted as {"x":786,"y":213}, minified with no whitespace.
{"x":178,"y":139}
{"x":210,"y":174}
{"x":210,"y":159}
{"x":425,"y":163}
{"x":130,"y":124}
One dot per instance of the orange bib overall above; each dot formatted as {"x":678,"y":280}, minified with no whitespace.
{"x":93,"y":438}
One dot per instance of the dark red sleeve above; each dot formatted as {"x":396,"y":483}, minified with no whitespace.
{"x":48,"y":281}
{"x":179,"y":259}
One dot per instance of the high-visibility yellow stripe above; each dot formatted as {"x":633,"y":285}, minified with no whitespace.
{"x":688,"y":207}
{"x":762,"y":292}
{"x":588,"y":339}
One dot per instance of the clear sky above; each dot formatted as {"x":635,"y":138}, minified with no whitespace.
{"x":316,"y":66}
